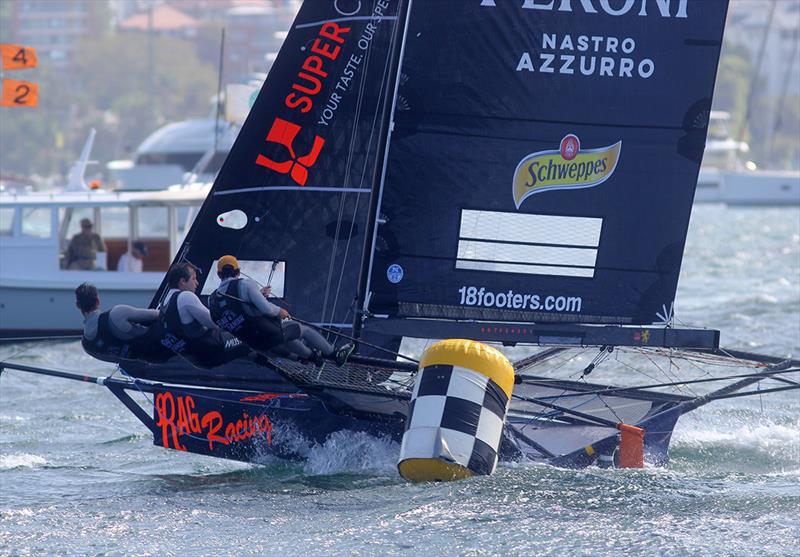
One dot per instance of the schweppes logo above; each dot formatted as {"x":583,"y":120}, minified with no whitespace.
{"x":567,"y":168}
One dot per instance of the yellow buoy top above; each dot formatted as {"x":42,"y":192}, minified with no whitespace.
{"x":472,"y":355}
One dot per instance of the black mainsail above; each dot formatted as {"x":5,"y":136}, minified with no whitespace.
{"x":453,"y":162}
{"x":543,"y":161}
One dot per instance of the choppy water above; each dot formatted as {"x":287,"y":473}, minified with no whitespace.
{"x":79,"y":474}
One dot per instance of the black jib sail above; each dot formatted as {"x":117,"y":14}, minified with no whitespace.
{"x":542,"y":161}
{"x":292,"y":198}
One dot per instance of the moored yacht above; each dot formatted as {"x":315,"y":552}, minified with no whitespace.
{"x":724,"y":178}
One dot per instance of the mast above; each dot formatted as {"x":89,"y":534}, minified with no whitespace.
{"x":379,"y":173}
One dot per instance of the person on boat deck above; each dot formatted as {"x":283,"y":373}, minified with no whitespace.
{"x":83,"y":248}
{"x":188,"y":327}
{"x":131,"y":261}
{"x":241,"y":306}
{"x":121,"y":333}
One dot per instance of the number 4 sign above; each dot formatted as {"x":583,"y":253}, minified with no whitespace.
{"x":16,"y":92}
{"x":16,"y":57}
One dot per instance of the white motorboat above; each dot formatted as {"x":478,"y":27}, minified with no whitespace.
{"x":36,"y":288}
{"x":724,"y":178}
{"x":169,"y":153}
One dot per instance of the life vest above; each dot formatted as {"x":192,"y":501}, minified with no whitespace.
{"x":108,"y":348}
{"x":105,"y":346}
{"x":175,"y":335}
{"x":226,"y":308}
{"x":201,"y":346}
{"x":261,"y":332}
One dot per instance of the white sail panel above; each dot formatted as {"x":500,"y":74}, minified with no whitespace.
{"x":530,"y":228}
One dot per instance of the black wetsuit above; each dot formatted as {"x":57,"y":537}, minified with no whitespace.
{"x":202,"y":346}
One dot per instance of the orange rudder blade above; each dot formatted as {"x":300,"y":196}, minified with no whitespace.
{"x":631,"y":446}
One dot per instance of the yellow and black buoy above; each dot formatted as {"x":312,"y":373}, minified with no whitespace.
{"x":457,"y":411}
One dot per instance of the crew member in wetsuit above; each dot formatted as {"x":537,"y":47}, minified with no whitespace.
{"x":121,"y":333}
{"x":240,"y":306}
{"x":188,"y":327}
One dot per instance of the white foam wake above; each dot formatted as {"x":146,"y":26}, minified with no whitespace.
{"x":766,"y":438}
{"x":20,"y":460}
{"x":351,"y":451}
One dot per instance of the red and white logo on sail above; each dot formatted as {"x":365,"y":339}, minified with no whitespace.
{"x":570,"y":146}
{"x":284,"y":133}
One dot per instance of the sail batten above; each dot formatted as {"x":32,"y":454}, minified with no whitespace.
{"x":327,"y":189}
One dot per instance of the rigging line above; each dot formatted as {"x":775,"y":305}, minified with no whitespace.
{"x":659,"y":368}
{"x":637,"y":370}
{"x":350,"y":18}
{"x":348,"y":168}
{"x":379,"y":110}
{"x":200,"y":394}
{"x":756,"y":70}
{"x":732,"y":357}
{"x":541,"y":414}
{"x":784,"y":88}
{"x":601,"y":399}
{"x":751,"y":393}
{"x":353,"y":223}
{"x":302,"y":189}
{"x":785,"y":380}
{"x":358,"y":340}
{"x":380,"y":170}
{"x":538,"y":358}
{"x":707,"y":372}
{"x":671,"y":358}
{"x":617,"y":390}
{"x":330,"y":331}
{"x":724,"y":359}
{"x":646,"y":355}
{"x":587,"y":417}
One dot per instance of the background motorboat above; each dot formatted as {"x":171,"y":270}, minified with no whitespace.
{"x":725,"y":178}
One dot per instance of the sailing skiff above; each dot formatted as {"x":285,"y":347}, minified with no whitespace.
{"x":508,"y":171}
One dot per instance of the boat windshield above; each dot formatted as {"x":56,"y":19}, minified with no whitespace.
{"x":160,"y":228}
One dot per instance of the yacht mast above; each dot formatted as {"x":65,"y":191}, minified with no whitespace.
{"x":379,"y":174}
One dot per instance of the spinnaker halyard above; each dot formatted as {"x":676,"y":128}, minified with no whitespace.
{"x":500,"y":171}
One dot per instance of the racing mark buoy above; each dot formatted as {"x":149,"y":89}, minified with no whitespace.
{"x":458,"y":407}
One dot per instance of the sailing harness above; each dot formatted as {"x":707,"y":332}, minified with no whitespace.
{"x":261,"y":332}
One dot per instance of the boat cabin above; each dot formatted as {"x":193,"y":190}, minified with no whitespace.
{"x":36,"y":229}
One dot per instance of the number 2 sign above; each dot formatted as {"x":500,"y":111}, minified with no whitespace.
{"x":16,"y":92}
{"x":19,"y":93}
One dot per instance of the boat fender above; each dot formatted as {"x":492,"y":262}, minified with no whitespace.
{"x":458,"y":406}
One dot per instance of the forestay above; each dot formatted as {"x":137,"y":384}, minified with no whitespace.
{"x":543,"y":159}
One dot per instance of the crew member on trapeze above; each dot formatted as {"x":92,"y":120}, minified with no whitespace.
{"x":240,"y":306}
{"x":121,"y":333}
{"x":188,"y":327}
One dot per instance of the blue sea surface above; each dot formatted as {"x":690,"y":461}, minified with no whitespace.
{"x":79,"y":474}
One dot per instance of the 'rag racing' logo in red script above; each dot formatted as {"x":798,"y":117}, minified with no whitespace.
{"x":291,"y":152}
